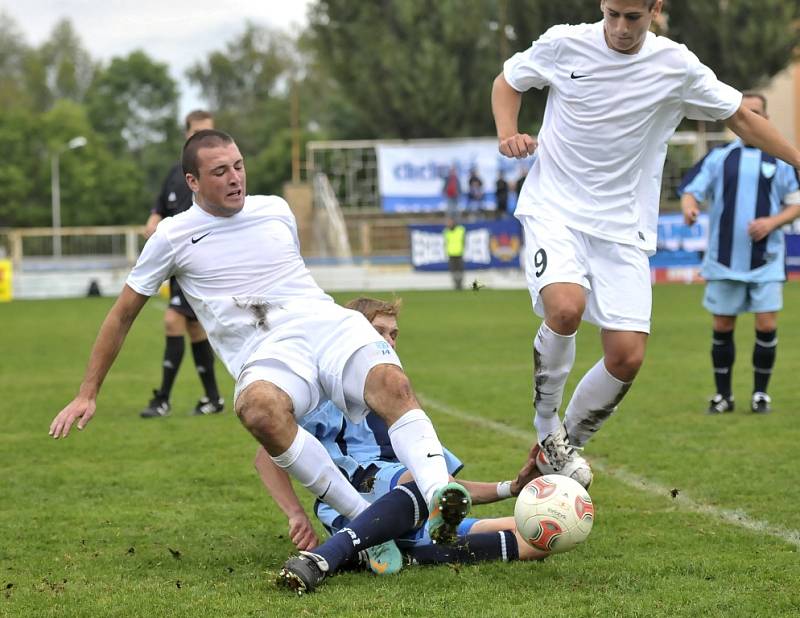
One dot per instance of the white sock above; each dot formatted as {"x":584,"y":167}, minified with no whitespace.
{"x":594,"y":400}
{"x":553,"y":357}
{"x":417,"y":446}
{"x":308,"y":461}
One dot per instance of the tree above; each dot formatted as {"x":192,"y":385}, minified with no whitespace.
{"x":64,"y":69}
{"x":134,"y":102}
{"x":248,"y":86}
{"x":744,"y":51}
{"x":407,"y":68}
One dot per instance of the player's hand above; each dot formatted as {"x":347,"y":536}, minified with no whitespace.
{"x":79,"y":409}
{"x":758,"y":229}
{"x":302,"y":533}
{"x":690,"y":213}
{"x":527,"y":473}
{"x":518,"y":146}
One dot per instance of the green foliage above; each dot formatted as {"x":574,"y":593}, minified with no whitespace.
{"x":745,"y":41}
{"x":168,"y":518}
{"x":409,"y":69}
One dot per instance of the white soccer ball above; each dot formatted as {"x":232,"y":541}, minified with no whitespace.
{"x":554,"y":513}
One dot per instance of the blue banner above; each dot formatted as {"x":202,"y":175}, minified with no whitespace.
{"x":487,"y":244}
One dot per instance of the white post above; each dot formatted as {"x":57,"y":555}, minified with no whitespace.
{"x":55,"y":192}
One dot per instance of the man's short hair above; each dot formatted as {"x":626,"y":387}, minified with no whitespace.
{"x":756,"y":95}
{"x":370,"y":307}
{"x":207,"y":138}
{"x":196,"y":116}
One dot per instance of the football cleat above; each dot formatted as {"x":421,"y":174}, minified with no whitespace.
{"x":719,"y":404}
{"x":577,"y":469}
{"x":558,"y":456}
{"x":761,"y":403}
{"x":158,"y":406}
{"x":385,"y":559}
{"x":303,"y":573}
{"x":449,"y":506}
{"x":207,"y":406}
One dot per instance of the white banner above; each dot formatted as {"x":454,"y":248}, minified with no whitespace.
{"x":412,"y":175}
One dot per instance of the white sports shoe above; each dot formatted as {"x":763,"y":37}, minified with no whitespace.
{"x":558,"y":456}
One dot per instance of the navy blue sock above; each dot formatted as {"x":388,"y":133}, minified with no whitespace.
{"x":723,"y":354}
{"x":471,"y":548}
{"x":173,"y":355}
{"x":390,"y":516}
{"x":763,"y":359}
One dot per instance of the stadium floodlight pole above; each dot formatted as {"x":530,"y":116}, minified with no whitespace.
{"x":55,"y":189}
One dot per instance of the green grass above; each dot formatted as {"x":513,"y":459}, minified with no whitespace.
{"x":92,"y":525}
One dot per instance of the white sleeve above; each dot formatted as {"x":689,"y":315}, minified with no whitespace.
{"x":534,"y":67}
{"x":704,"y":96}
{"x":155,"y":265}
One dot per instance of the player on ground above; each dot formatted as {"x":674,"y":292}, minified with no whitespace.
{"x":179,"y":319}
{"x":589,"y":206}
{"x":286,"y":342}
{"x":751,"y":196}
{"x":365,"y":454}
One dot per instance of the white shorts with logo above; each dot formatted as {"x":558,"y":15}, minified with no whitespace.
{"x":616,"y":277}
{"x":310,"y":348}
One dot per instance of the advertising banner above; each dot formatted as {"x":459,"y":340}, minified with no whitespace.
{"x":412,"y":175}
{"x":487,"y":244}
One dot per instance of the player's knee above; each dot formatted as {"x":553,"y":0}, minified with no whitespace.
{"x":389,"y":380}
{"x":564,"y":318}
{"x":262,"y":408}
{"x":625,"y":364}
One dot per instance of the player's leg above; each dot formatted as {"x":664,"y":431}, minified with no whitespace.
{"x":724,"y":299}
{"x":556,"y":275}
{"x":619,"y":303}
{"x":203,"y":355}
{"x":174,"y":348}
{"x":400,"y":510}
{"x":387,"y":391}
{"x":766,"y":300}
{"x":268,"y":396}
{"x":723,"y":356}
{"x":604,"y":386}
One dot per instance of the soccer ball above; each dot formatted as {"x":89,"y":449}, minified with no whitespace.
{"x":554,"y":513}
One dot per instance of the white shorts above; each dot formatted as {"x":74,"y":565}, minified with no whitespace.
{"x":305,"y":354}
{"x":616,"y":276}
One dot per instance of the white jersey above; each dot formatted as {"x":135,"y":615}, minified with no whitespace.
{"x":606,"y":125}
{"x":232,"y":270}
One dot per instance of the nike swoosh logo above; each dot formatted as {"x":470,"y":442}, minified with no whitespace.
{"x":199,"y":238}
{"x":573,"y":76}
{"x":327,"y":489}
{"x":435,"y":455}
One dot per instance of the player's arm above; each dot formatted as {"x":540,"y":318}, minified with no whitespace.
{"x":506,"y":103}
{"x":484,"y":493}
{"x":279,"y":486}
{"x":106,"y":347}
{"x":152,"y":223}
{"x":760,"y":228}
{"x":761,"y":133}
{"x":690,"y":207}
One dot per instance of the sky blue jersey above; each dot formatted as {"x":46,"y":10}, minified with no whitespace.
{"x":354,"y":446}
{"x":741,"y":184}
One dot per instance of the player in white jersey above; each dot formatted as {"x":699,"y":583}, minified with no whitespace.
{"x":589,"y":206}
{"x":285,"y":341}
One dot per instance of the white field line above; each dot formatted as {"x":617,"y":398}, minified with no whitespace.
{"x":682,"y":501}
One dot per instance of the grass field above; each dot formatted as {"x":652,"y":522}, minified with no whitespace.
{"x":167,"y":517}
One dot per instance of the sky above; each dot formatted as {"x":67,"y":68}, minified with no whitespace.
{"x":176,"y":32}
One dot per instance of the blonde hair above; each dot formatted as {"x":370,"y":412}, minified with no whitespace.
{"x":370,"y":307}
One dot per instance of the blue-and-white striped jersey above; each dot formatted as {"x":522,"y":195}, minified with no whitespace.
{"x":354,"y":446}
{"x":741,"y":184}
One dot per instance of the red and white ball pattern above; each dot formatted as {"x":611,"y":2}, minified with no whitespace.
{"x":554,"y":513}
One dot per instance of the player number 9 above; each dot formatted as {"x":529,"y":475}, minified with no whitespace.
{"x":540,"y":261}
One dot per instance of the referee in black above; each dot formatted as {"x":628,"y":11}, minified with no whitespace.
{"x":179,"y":319}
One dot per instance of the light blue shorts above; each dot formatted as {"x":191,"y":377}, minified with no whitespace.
{"x":728,"y":297}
